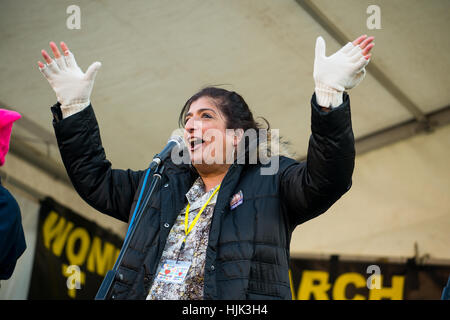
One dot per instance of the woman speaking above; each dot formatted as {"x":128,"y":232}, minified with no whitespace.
{"x":216,"y":227}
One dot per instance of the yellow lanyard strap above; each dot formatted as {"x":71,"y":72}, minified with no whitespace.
{"x":187,"y":229}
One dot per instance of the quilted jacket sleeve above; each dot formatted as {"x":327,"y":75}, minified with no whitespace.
{"x":12,"y":237}
{"x":110,"y":191}
{"x":309,"y":188}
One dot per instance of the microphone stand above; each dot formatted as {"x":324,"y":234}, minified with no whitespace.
{"x":104,"y":292}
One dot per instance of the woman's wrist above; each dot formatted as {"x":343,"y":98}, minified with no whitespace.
{"x":68,"y":110}
{"x":327,"y":97}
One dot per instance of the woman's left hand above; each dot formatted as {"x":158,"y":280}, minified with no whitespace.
{"x":341,"y":71}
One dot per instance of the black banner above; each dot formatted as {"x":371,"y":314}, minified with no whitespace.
{"x":332,"y":279}
{"x":72,"y":255}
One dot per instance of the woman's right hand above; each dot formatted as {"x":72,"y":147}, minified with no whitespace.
{"x":72,"y":87}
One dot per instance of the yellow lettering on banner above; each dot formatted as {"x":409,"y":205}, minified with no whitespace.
{"x":55,"y":229}
{"x":60,"y":234}
{"x":308,"y":286}
{"x":343,"y":281}
{"x":291,"y":283}
{"x":82,"y":235}
{"x":395,"y":292}
{"x":117,"y":254}
{"x":101,"y":261}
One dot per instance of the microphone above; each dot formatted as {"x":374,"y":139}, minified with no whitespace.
{"x":175,"y":141}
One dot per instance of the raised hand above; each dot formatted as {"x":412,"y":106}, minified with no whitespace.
{"x":341,"y":71}
{"x":72,"y":87}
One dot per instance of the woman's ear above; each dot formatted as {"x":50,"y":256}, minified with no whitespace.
{"x":238,"y":134}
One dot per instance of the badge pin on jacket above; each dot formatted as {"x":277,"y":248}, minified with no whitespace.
{"x":237,"y":200}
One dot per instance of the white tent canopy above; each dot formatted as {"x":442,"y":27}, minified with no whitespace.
{"x":156,"y":54}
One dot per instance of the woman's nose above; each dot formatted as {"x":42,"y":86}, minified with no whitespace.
{"x":192,"y":125}
{"x":189,"y":126}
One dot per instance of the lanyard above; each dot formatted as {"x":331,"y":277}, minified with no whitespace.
{"x":188,"y":229}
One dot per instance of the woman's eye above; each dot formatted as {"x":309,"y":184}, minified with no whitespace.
{"x":204,"y":115}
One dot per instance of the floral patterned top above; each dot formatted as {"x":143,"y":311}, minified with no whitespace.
{"x":194,"y":250}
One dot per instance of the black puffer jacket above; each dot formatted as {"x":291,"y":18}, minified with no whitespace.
{"x":248,"y":249}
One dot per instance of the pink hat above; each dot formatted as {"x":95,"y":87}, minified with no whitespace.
{"x":7,"y":118}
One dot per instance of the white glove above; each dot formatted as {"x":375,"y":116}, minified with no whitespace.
{"x":72,"y":87}
{"x":341,"y":71}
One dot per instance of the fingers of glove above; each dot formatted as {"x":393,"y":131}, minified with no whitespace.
{"x":92,"y":70}
{"x":46,"y":56}
{"x":348,"y":47}
{"x":361,"y":63}
{"x":53,"y":66}
{"x":356,"y":51}
{"x":320,"y":47}
{"x":61,"y":62}
{"x":70,"y":59}
{"x":68,"y":56}
{"x":368,"y":48}
{"x":44,"y":70}
{"x":64,"y":48}
{"x":55,"y":50}
{"x":359,"y":40}
{"x":355,"y":58}
{"x":366,"y":42}
{"x":58,"y":58}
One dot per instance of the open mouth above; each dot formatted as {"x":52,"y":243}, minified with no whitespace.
{"x":195,"y":143}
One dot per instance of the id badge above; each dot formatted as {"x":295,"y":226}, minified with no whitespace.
{"x":173,"y":271}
